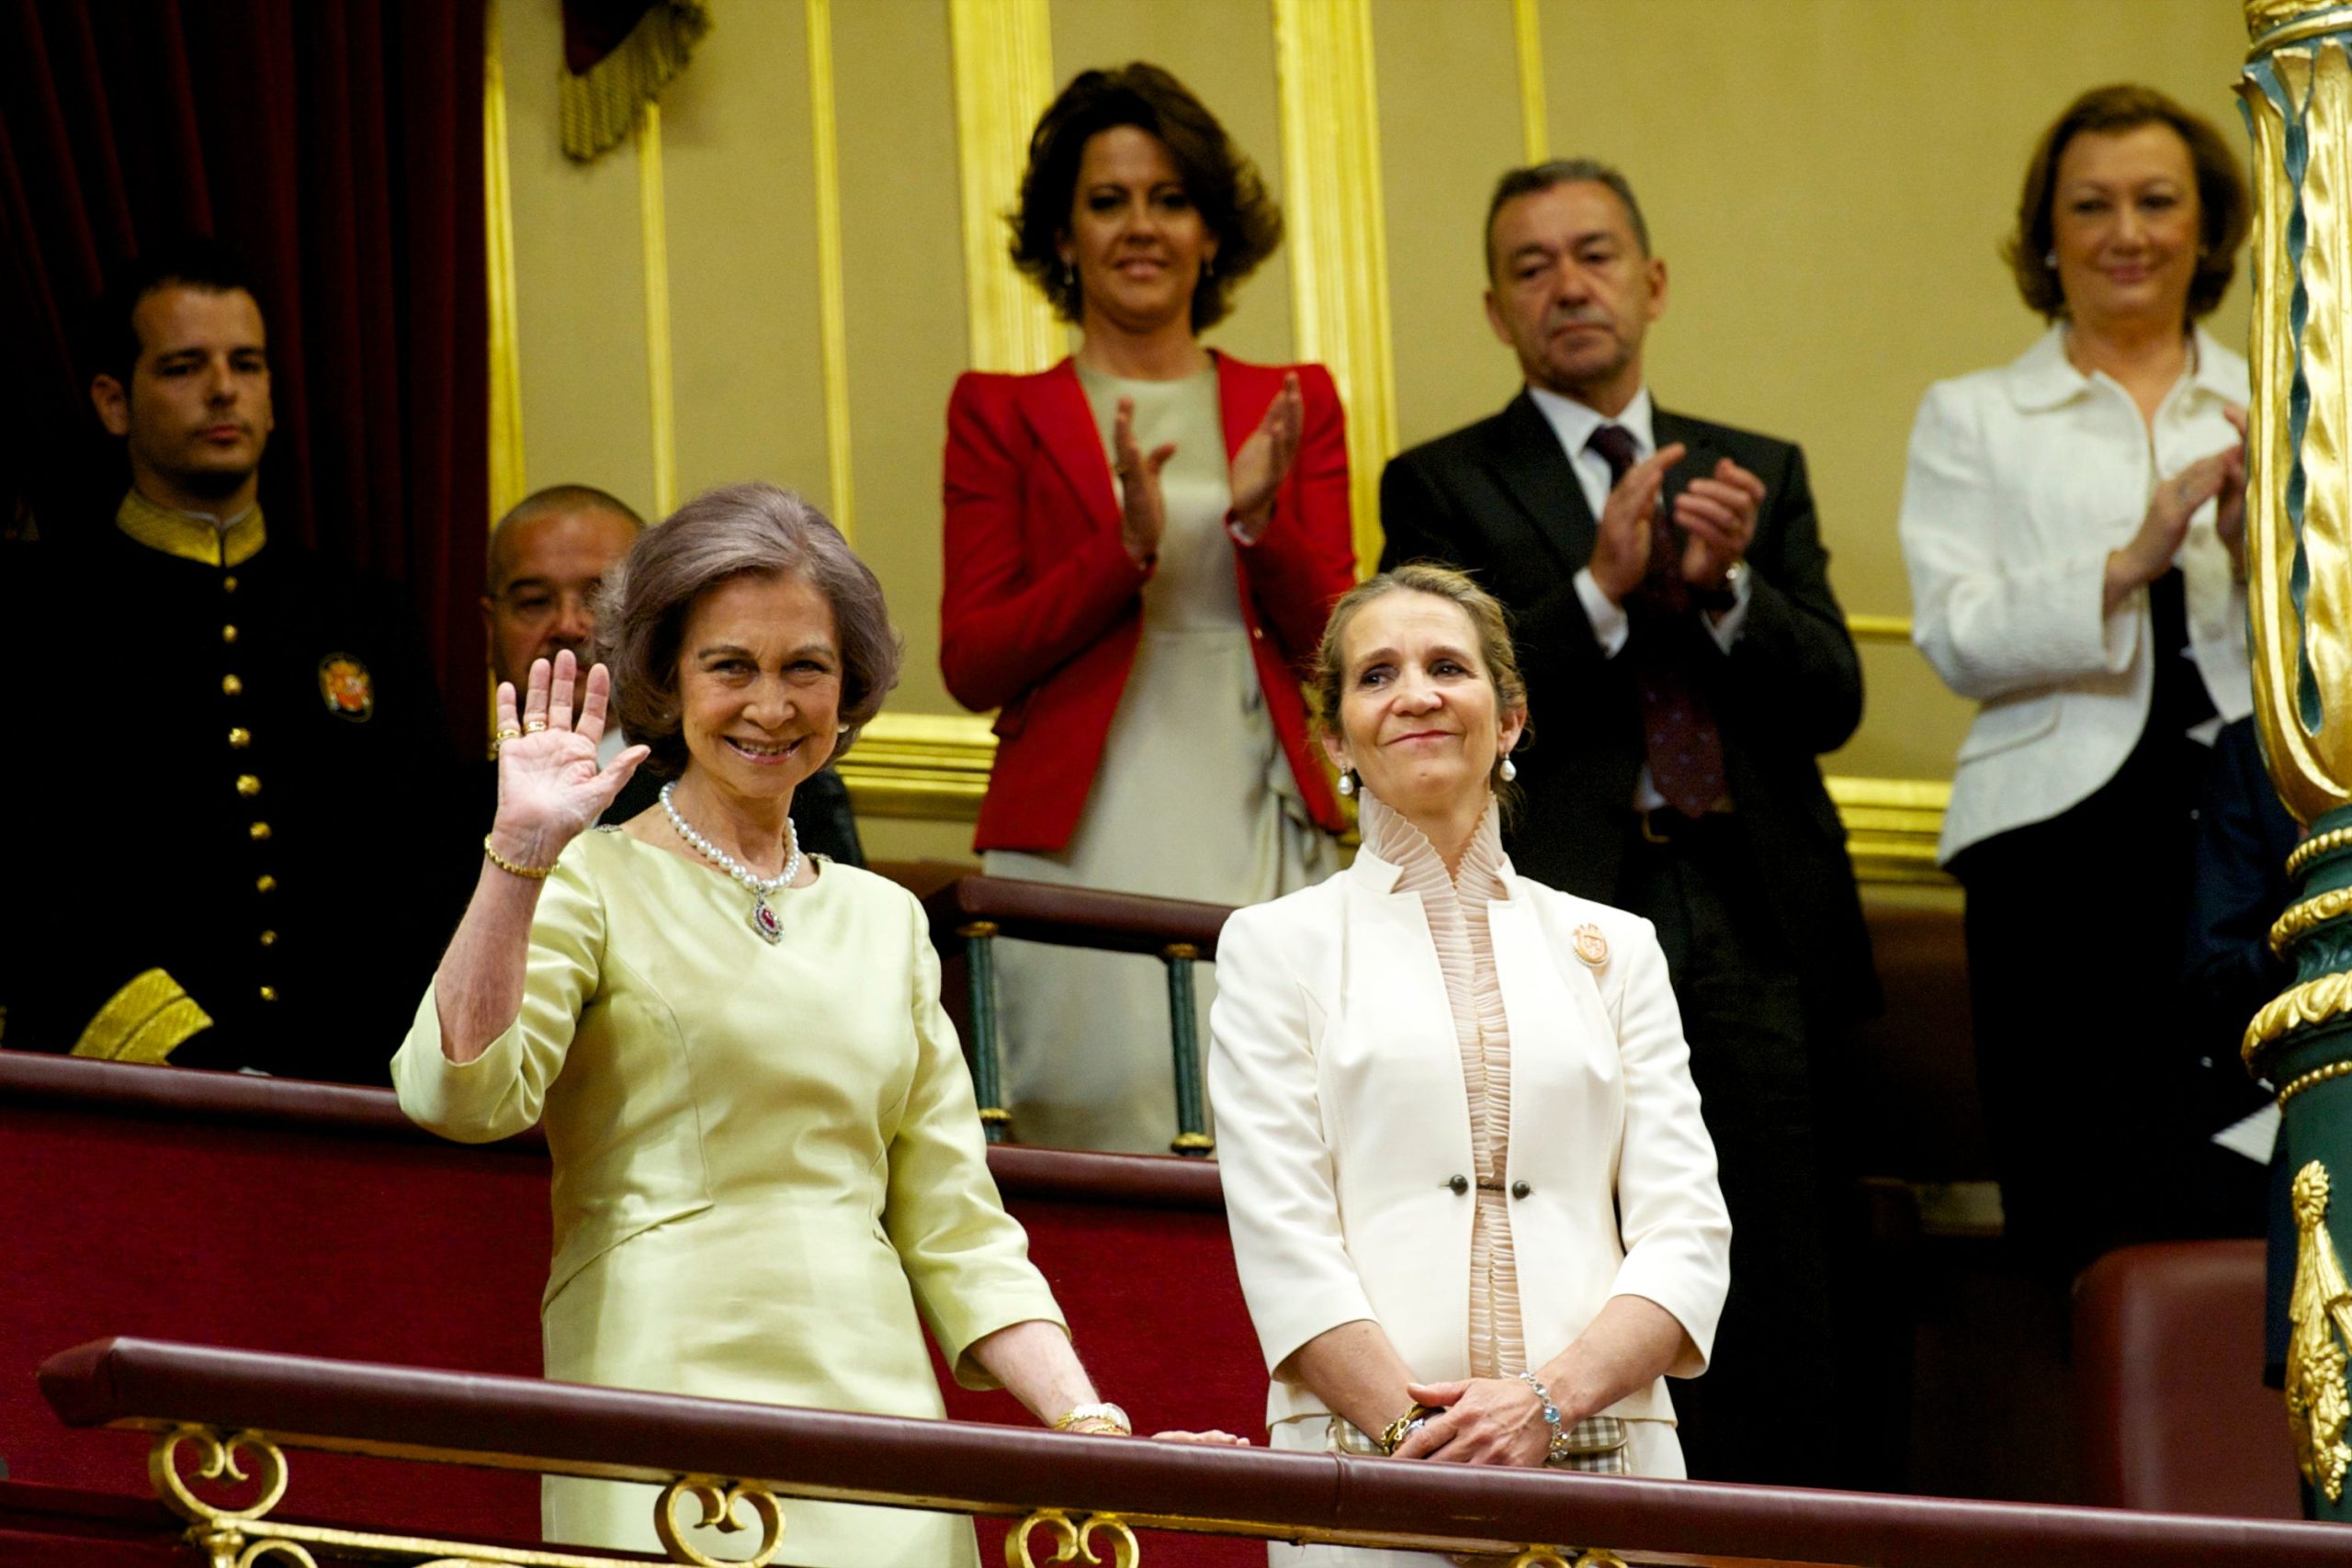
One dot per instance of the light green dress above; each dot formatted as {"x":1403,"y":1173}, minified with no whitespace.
{"x":1193,"y":798}
{"x":767,"y":1164}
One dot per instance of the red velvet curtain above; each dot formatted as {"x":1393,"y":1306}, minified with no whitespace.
{"x":337,"y":144}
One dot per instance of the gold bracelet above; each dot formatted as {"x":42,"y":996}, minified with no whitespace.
{"x":528,"y":873}
{"x":1393,"y":1435}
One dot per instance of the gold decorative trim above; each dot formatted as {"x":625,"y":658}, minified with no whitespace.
{"x":2312,"y":848}
{"x":654,"y":229}
{"x":719,"y":1500}
{"x":2312,"y":1079}
{"x":935,"y":767}
{"x":1072,"y":1543}
{"x":2322,"y":1001}
{"x":1004,"y":64}
{"x":2320,"y":1311}
{"x":1566,"y":1557}
{"x":1879,"y":628}
{"x":1339,"y":242}
{"x":832,"y":314}
{"x":2273,"y":24}
{"x":2300,"y":918}
{"x":507,"y":481}
{"x":144,"y":1021}
{"x":243,"y":1537}
{"x":1527,"y":39}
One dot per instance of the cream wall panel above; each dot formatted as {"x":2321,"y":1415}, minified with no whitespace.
{"x":903,"y":275}
{"x":1829,"y":180}
{"x":746,"y":352}
{"x":1224,"y":51}
{"x":579,"y":283}
{"x":1449,"y":124}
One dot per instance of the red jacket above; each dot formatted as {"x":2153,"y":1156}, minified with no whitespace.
{"x":1042,"y":609}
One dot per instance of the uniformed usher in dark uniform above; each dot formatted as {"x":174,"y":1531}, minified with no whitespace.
{"x":237,"y":790}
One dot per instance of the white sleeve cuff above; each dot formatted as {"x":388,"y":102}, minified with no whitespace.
{"x":1726,"y":628}
{"x":1609,"y":627}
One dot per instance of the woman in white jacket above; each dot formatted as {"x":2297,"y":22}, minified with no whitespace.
{"x":2074,"y":526}
{"x":1474,"y":1205}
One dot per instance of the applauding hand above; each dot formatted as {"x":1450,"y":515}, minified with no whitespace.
{"x":1264,"y":460}
{"x":1142,"y":515}
{"x":550,"y":786}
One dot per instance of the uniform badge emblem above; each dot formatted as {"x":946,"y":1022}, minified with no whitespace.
{"x":348,"y":689}
{"x":1591,"y":946}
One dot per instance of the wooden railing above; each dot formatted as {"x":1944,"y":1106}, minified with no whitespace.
{"x":973,"y":911}
{"x":234,"y":1414}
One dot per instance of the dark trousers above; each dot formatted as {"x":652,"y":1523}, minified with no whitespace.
{"x":2076,"y":928}
{"x":1768,"y":1407}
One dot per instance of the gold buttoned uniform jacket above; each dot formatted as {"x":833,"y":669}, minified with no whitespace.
{"x":241,"y":749}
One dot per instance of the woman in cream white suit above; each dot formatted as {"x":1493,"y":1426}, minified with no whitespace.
{"x":1474,"y":1204}
{"x":2074,"y":526}
{"x":1141,"y":544}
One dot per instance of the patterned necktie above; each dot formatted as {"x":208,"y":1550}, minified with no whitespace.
{"x":1685,"y":747}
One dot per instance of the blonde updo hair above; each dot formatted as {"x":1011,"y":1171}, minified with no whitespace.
{"x":1487,"y":619}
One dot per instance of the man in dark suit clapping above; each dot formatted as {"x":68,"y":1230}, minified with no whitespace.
{"x":1687,"y":664}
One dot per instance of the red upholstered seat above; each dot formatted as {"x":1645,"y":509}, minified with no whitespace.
{"x":2168,"y":1384}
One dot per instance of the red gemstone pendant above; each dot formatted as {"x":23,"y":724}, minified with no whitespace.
{"x":764,"y":921}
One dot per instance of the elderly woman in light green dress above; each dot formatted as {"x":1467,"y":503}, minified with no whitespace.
{"x":768,"y":1168}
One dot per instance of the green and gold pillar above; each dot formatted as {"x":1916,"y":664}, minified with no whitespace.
{"x":2298,"y":97}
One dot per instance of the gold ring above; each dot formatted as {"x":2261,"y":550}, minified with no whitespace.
{"x":532,"y":725}
{"x":509,"y":733}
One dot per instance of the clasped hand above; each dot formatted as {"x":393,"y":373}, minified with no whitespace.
{"x":1256,"y":474}
{"x":1716,"y":512}
{"x":1483,"y":1421}
{"x":2218,"y":476}
{"x":549,"y":785}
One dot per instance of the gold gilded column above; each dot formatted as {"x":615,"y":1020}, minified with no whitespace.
{"x":507,"y":485}
{"x":1004,"y":78}
{"x":2297,"y":91}
{"x":1339,"y":240}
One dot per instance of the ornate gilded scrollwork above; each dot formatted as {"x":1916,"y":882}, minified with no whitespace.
{"x":720,"y":1500}
{"x":2321,"y":1312}
{"x":1566,"y":1557}
{"x":1072,"y":1543}
{"x":216,"y":1460}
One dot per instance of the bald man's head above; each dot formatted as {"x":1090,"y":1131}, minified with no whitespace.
{"x":546,"y":557}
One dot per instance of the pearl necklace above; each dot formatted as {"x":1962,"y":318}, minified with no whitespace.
{"x":763,"y":919}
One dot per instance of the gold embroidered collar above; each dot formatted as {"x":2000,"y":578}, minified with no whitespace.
{"x":191,"y":535}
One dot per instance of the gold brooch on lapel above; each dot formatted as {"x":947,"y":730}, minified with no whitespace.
{"x":1591,"y":946}
{"x":348,"y":689}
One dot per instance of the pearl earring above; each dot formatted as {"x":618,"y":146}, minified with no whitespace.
{"x":1347,"y":781}
{"x":2050,"y":258}
{"x":1507,"y":771}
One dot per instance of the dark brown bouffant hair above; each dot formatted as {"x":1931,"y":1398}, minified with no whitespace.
{"x":748,"y":530}
{"x":1222,"y":181}
{"x":1489,"y":621}
{"x":2223,"y":208}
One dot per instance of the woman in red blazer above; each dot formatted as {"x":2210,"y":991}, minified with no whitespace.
{"x":1142,"y":543}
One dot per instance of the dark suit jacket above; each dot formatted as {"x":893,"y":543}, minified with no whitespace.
{"x":1499,"y":499}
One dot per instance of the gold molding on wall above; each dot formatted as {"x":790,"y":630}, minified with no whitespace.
{"x":653,"y":226}
{"x":935,"y":767}
{"x":1339,"y":266}
{"x":1527,"y":36}
{"x":1003,"y":67}
{"x":507,"y":484}
{"x":1879,"y":628}
{"x":831,"y":312}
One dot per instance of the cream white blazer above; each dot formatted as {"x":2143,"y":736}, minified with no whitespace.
{"x":1342,"y":1119}
{"x":2022,"y":480}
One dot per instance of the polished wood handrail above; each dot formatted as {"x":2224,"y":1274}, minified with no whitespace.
{"x":191,"y":1094}
{"x":517,"y":1423}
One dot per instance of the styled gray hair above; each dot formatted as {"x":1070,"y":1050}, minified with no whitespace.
{"x":746,"y":530}
{"x":1536,"y":177}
